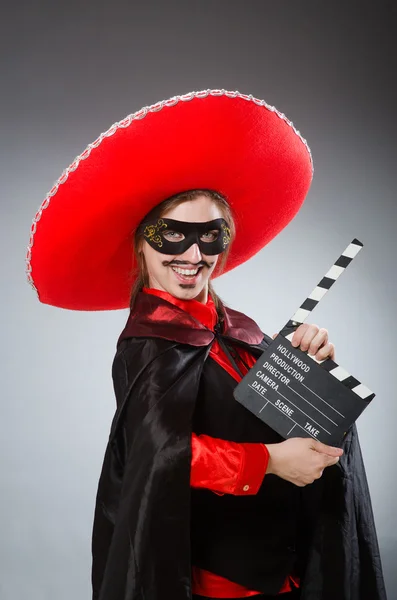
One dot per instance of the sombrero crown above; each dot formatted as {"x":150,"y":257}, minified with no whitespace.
{"x":80,"y":253}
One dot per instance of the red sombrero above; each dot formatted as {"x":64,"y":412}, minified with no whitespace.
{"x":80,"y":251}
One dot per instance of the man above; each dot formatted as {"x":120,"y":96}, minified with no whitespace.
{"x":161,"y":509}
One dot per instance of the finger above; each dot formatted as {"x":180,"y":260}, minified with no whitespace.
{"x":274,"y":335}
{"x":329,"y":461}
{"x":307,"y":339}
{"x":319,"y":340}
{"x":298,"y":334}
{"x":327,"y":351}
{"x":324,"y":449}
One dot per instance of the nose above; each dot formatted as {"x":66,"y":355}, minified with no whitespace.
{"x":192,"y":254}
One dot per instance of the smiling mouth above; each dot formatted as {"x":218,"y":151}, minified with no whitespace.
{"x":187,"y":276}
{"x":186,"y":272}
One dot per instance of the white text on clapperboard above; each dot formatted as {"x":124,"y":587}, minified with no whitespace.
{"x":297,"y":370}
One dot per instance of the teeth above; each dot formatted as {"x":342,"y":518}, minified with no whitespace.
{"x":185,"y":271}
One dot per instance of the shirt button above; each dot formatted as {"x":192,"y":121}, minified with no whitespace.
{"x":246,"y":488}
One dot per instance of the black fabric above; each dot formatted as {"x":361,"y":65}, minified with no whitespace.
{"x":251,"y":539}
{"x":229,"y":353}
{"x":141,"y":531}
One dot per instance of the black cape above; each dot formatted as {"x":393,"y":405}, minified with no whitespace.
{"x":141,"y":530}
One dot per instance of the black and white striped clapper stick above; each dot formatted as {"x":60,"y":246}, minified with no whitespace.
{"x":311,"y":302}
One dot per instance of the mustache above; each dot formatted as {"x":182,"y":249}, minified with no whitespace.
{"x":179,"y":263}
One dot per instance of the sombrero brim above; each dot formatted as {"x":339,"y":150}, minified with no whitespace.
{"x":80,"y":252}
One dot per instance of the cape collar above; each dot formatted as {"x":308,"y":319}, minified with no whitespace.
{"x":206,"y":313}
{"x":154,"y":316}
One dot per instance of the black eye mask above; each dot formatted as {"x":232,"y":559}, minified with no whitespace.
{"x":192,"y":232}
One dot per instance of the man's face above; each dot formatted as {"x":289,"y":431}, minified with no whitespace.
{"x":186,"y":275}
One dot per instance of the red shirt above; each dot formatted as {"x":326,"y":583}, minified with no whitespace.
{"x":222,"y":466}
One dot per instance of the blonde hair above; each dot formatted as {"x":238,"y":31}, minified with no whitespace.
{"x":141,"y":277}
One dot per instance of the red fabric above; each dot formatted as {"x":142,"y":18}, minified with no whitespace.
{"x":236,"y":465}
{"x":239,"y":468}
{"x":80,"y":253}
{"x":205,"y":583}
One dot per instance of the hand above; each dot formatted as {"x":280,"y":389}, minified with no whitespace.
{"x":301,"y":460}
{"x":313,"y":339}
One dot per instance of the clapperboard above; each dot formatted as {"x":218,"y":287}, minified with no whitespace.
{"x":295,"y":394}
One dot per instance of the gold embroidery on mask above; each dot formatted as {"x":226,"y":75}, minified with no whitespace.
{"x":152,"y":232}
{"x":226,"y":235}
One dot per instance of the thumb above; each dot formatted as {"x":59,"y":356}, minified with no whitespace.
{"x":324,"y":449}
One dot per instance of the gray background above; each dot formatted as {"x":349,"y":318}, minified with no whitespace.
{"x":68,"y":71}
